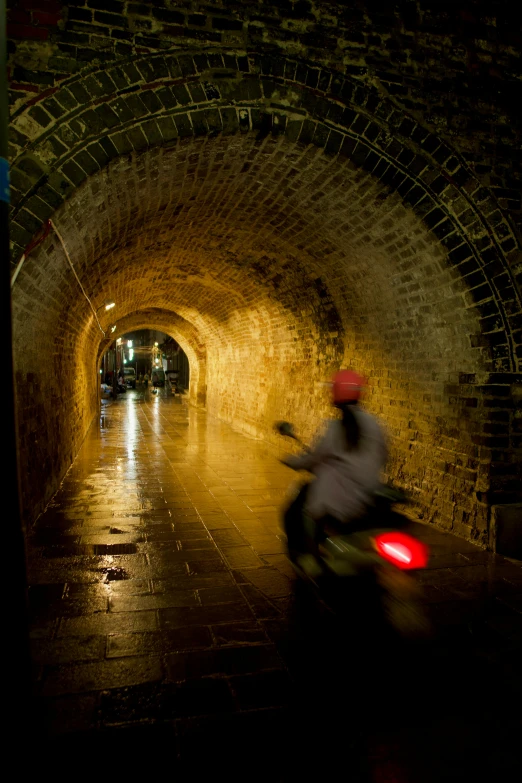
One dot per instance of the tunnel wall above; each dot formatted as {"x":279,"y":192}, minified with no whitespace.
{"x":55,"y":378}
{"x":268,"y":362}
{"x":443,"y":365}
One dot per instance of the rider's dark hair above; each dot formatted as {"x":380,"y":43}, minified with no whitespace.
{"x":350,"y":424}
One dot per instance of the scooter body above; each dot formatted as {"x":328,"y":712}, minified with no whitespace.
{"x":371,"y":562}
{"x":384,"y":559}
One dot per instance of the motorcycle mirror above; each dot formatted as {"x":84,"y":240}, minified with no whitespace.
{"x":284,"y":428}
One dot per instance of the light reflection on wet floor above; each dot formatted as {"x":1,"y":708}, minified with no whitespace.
{"x":162,"y":600}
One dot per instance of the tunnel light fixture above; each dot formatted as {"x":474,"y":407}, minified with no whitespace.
{"x":108,"y":304}
{"x":129,"y":343}
{"x":156,"y":344}
{"x":113,"y":328}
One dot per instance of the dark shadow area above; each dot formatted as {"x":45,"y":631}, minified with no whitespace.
{"x":389,"y":710}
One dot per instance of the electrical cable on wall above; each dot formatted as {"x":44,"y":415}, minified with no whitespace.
{"x":38,"y":239}
{"x":76,"y":276}
{"x":34,"y":243}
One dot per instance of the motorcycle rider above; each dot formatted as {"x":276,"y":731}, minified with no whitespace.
{"x":346,"y":461}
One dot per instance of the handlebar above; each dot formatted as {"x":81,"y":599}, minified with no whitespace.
{"x":286,"y":429}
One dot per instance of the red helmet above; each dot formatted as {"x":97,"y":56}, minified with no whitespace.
{"x":347,"y":386}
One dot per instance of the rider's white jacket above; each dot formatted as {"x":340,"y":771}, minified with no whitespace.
{"x":345,"y":480}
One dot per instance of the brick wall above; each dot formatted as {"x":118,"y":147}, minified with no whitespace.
{"x":453,"y":66}
{"x":283,"y":196}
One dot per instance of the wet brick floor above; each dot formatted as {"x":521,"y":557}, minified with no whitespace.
{"x":169,"y":638}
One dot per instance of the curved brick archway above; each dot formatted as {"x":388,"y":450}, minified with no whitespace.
{"x":296,"y":219}
{"x":343,"y":118}
{"x":183,"y":332}
{"x":452,"y":67}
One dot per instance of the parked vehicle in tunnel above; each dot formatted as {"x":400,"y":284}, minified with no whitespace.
{"x":363,"y":568}
{"x":129,"y":374}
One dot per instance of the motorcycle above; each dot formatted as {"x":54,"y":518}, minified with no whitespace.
{"x":366,"y":567}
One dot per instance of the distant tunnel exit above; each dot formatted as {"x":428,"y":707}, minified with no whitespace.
{"x":148,"y":352}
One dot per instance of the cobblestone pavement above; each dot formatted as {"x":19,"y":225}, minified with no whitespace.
{"x":169,"y":638}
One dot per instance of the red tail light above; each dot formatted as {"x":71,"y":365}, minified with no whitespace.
{"x":402,"y":550}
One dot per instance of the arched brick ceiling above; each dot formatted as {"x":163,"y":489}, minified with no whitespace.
{"x":405,"y":158}
{"x":452,"y":66}
{"x":208,"y":246}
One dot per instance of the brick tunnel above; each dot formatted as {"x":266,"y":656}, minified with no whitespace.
{"x":285,"y":188}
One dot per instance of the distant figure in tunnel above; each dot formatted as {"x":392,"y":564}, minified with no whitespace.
{"x":347,"y":462}
{"x":146,"y":380}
